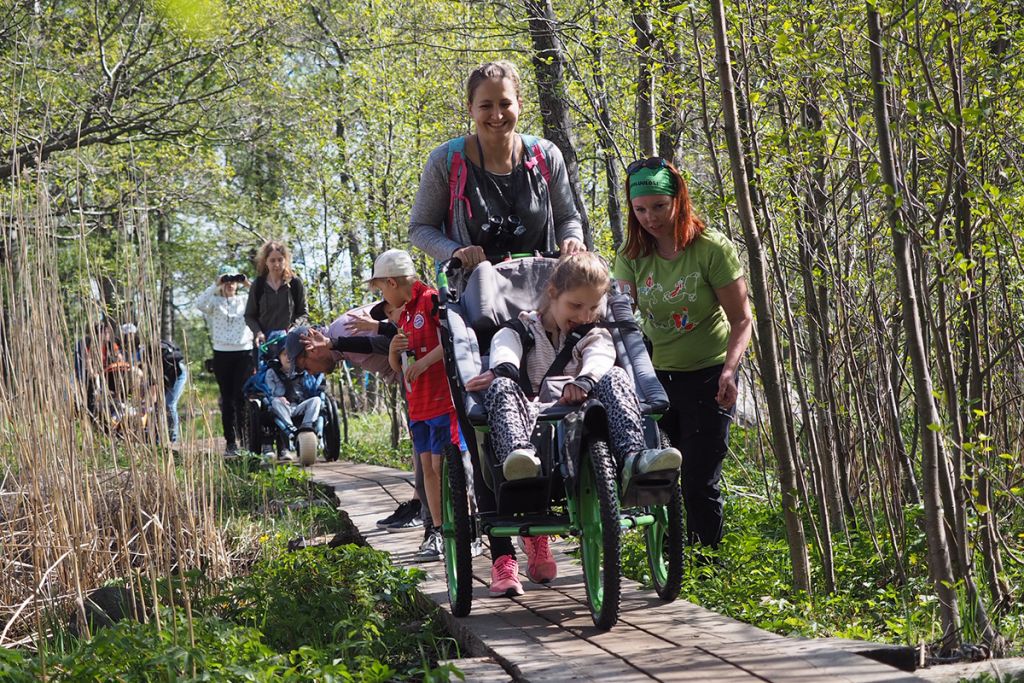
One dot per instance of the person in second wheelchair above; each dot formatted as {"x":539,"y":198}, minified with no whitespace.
{"x":566,"y":368}
{"x":293,"y":393}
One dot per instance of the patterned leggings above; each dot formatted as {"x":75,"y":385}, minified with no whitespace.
{"x":512,"y":417}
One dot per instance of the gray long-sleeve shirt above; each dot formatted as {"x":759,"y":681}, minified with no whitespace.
{"x":427,"y":224}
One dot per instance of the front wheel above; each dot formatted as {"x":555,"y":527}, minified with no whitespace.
{"x":600,"y":532}
{"x":458,"y":532}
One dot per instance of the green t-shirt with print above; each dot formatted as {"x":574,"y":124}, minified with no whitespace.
{"x":676,"y":301}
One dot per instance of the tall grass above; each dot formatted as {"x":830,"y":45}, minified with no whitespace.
{"x":81,"y":506}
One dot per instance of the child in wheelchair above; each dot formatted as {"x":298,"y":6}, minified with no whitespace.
{"x":571,"y":359}
{"x":294,"y":397}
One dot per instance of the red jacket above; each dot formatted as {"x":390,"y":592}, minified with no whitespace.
{"x":429,"y":395}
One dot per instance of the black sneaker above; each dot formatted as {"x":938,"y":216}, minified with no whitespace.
{"x":410,"y":522}
{"x":400,"y":512}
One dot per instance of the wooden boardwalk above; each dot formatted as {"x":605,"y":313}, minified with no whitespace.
{"x":547,"y":634}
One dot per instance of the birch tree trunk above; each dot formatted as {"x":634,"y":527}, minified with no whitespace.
{"x":939,"y":565}
{"x":768,"y":357}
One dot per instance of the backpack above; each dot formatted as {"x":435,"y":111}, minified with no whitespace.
{"x":171,"y":359}
{"x":457,"y":171}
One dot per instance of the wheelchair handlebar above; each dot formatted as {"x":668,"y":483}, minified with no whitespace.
{"x":453,"y":265}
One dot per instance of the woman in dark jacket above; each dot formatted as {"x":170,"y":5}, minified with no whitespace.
{"x":277,"y":299}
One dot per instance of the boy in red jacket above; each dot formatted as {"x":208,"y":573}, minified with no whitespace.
{"x":416,"y":353}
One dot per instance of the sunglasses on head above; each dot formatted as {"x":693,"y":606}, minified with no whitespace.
{"x":653,"y":163}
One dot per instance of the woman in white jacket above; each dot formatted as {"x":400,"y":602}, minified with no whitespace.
{"x":224,"y":309}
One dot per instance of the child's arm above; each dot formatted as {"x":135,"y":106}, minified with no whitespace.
{"x":420,"y":366}
{"x":506,"y":355}
{"x":597,"y":356}
{"x":399,"y":343}
{"x":275,"y":385}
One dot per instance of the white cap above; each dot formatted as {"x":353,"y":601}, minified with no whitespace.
{"x":393,"y":263}
{"x":129,"y":328}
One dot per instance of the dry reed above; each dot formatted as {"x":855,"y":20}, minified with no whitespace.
{"x":80,"y":507}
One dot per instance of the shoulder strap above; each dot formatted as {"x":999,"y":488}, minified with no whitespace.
{"x":457,"y":172}
{"x":532,"y":143}
{"x":565,"y":353}
{"x":527,"y":341}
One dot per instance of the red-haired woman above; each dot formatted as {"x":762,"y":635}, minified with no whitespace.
{"x":688,"y":285}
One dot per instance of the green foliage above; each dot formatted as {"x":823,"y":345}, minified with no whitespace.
{"x":342,"y":614}
{"x":318,"y":614}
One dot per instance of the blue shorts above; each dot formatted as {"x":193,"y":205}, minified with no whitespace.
{"x":433,"y":435}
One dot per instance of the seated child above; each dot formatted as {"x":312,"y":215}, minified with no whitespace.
{"x":293,"y":392}
{"x":575,"y":296}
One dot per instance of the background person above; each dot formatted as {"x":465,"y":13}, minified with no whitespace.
{"x":224,"y":308}
{"x":277,"y":298}
{"x":503,"y":179}
{"x":688,"y":285}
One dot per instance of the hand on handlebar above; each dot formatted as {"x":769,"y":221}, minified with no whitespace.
{"x":572,"y":246}
{"x":470,"y":256}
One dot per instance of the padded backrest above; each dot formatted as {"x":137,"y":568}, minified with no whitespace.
{"x":495,"y":293}
{"x":631,"y":354}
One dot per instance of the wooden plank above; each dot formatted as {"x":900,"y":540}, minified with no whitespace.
{"x":547,"y":634}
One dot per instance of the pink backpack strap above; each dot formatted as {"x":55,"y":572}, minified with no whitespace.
{"x":537,"y":159}
{"x":457,"y":172}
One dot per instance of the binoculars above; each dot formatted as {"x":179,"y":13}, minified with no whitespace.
{"x":238,"y":277}
{"x":500,"y":230}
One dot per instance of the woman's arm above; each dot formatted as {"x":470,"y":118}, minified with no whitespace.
{"x":205,"y":301}
{"x":301,"y":310}
{"x":430,"y":209}
{"x":252,"y":312}
{"x":733,"y":299}
{"x":565,"y":215}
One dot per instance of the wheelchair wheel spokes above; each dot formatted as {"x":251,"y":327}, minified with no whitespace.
{"x":600,"y":533}
{"x":457,"y":530}
{"x":665,"y":546}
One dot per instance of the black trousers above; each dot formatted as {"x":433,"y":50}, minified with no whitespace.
{"x":699,"y":428}
{"x":231,"y":368}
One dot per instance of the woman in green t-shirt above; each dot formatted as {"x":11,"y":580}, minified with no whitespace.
{"x":688,"y":286}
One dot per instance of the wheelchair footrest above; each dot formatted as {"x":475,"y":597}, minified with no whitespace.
{"x":653,"y":488}
{"x":524,"y":495}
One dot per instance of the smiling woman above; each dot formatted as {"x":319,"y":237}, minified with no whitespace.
{"x":494,"y":191}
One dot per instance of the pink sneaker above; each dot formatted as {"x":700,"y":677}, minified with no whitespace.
{"x":505,"y":578}
{"x":540,"y":566}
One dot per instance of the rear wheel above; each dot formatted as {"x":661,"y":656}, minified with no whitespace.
{"x":253,"y":426}
{"x":665,"y":541}
{"x":332,"y":431}
{"x":458,"y":532}
{"x":601,"y":534}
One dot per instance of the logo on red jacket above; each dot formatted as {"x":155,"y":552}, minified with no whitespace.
{"x":418,"y":321}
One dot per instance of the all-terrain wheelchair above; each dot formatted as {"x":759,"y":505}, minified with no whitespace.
{"x":263,"y":427}
{"x":578,"y":492}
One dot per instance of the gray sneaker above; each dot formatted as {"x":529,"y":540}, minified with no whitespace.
{"x":432,"y":548}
